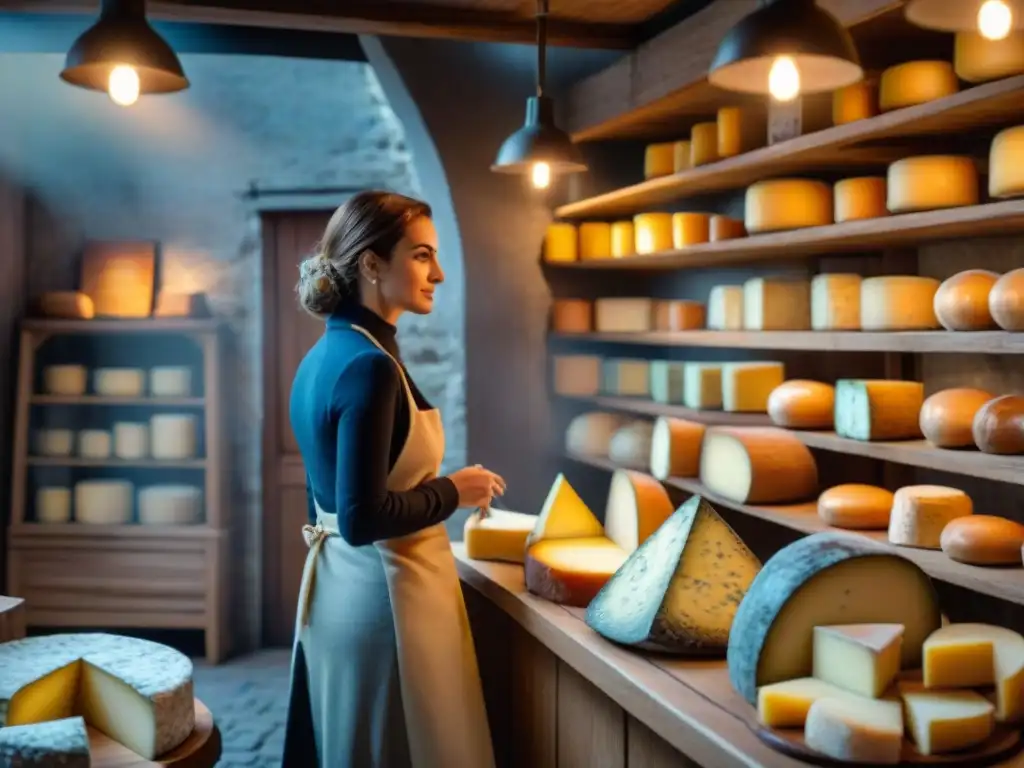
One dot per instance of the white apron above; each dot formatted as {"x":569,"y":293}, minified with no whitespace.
{"x":442,"y":701}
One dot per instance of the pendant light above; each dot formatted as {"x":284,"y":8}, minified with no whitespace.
{"x":123,"y":55}
{"x":786,"y":48}
{"x":540,"y":148}
{"x":993,"y":19}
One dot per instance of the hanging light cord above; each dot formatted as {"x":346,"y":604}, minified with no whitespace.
{"x":542,"y":40}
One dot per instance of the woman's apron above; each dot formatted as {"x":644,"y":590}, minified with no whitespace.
{"x":383,"y":633}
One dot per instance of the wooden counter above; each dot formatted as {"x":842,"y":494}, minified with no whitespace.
{"x":560,"y":695}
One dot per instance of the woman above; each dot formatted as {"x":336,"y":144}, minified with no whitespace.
{"x":384,"y":673}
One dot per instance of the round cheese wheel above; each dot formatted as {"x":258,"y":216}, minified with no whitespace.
{"x":977,"y":59}
{"x":947,"y":417}
{"x":930,"y":182}
{"x":1006,"y":301}
{"x":595,"y":240}
{"x":961,"y":303}
{"x":862,"y":197}
{"x":572,"y":316}
{"x":778,"y":204}
{"x":630,"y":446}
{"x":802,"y":404}
{"x":653,"y":232}
{"x":589,"y":434}
{"x":623,"y":239}
{"x":983,"y":540}
{"x":916,"y":82}
{"x":999,"y":425}
{"x":1005,"y":164}
{"x":560,"y":242}
{"x":856,"y":507}
{"x":690,"y":229}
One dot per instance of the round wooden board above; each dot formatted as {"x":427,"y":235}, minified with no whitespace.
{"x":1004,"y":743}
{"x":200,"y":750}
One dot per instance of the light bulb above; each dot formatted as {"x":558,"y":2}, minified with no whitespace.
{"x":995,"y":19}
{"x":123,"y":85}
{"x":784,"y":79}
{"x":541,"y":175}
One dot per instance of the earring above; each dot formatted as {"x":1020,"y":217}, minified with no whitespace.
{"x":373,"y":281}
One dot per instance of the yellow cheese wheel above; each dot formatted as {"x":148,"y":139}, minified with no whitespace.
{"x":961,"y":303}
{"x":898,"y":303}
{"x":572,"y":316}
{"x":1006,"y":163}
{"x":931,"y":181}
{"x":977,"y":59}
{"x":780,"y":204}
{"x":681,"y":156}
{"x":73,"y":305}
{"x":703,"y":144}
{"x":856,"y":507}
{"x":678,"y":315}
{"x":623,"y":239}
{"x":690,"y":229}
{"x":653,"y":232}
{"x":983,"y":540}
{"x":860,"y":198}
{"x":725,"y":228}
{"x":560,"y":242}
{"x":854,"y":102}
{"x":916,"y":82}
{"x":740,"y":130}
{"x":659,"y":160}
{"x":1006,"y":301}
{"x":802,"y":404}
{"x":999,"y":426}
{"x":595,"y":240}
{"x":947,"y":417}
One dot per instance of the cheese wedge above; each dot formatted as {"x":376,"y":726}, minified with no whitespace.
{"x":856,"y":730}
{"x":946,"y":721}
{"x":860,"y":658}
{"x":500,"y":535}
{"x":786,"y":704}
{"x":564,"y":516}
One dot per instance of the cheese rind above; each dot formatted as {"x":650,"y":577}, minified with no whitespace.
{"x":835,"y":302}
{"x":653,"y":232}
{"x":1005,"y":178}
{"x":500,"y":535}
{"x":961,"y":302}
{"x":746,"y":387}
{"x":878,"y":409}
{"x":916,"y":82}
{"x":947,"y":417}
{"x":776,"y":305}
{"x":983,"y":540}
{"x":856,"y":507}
{"x":802,"y":404}
{"x":898,"y":303}
{"x":861,"y":658}
{"x":780,"y":204}
{"x":675,"y":448}
{"x":858,"y":198}
{"x":637,"y":506}
{"x":946,"y":721}
{"x":920,"y":512}
{"x":931,"y":182}
{"x":725,"y":308}
{"x":757,"y":465}
{"x":860,"y":731}
{"x":63,"y":743}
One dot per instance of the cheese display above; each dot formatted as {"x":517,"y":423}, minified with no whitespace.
{"x":70,"y":305}
{"x":835,"y":302}
{"x":1004,"y":163}
{"x":802,"y":404}
{"x":690,"y":229}
{"x":854,"y":102}
{"x":104,"y":502}
{"x":725,"y":228}
{"x":820,"y":580}
{"x":137,"y":692}
{"x":560,"y":242}
{"x":856,"y":507}
{"x":898,"y":303}
{"x":860,"y":198}
{"x":983,"y":540}
{"x":630,"y":446}
{"x":659,"y":160}
{"x":667,"y":381}
{"x":878,"y":409}
{"x":625,"y":377}
{"x":637,"y":506}
{"x":1006,"y":301}
{"x":595,"y":240}
{"x":590,"y":434}
{"x":64,"y":379}
{"x":173,"y":436}
{"x":740,"y":130}
{"x":499,"y":535}
{"x":776,"y":305}
{"x":613,"y":315}
{"x":653,"y":232}
{"x":675,"y":447}
{"x":53,"y":504}
{"x":682,"y":156}
{"x":946,"y":721}
{"x":54,"y":442}
{"x":780,"y":204}
{"x":703,"y":144}
{"x":856,"y":730}
{"x":930,"y":182}
{"x":920,"y":512}
{"x":702,"y":385}
{"x":63,"y":743}
{"x":947,"y":417}
{"x":170,"y":505}
{"x":977,"y":59}
{"x":175,"y":380}
{"x":860,"y":658}
{"x":725,"y":308}
{"x":678,"y":592}
{"x":916,"y":82}
{"x":678,"y":315}
{"x":119,"y":382}
{"x":574,"y":375}
{"x":757,"y":465}
{"x":131,"y":440}
{"x":95,"y":443}
{"x":785,"y":704}
{"x":961,"y":303}
{"x":623,"y":239}
{"x":999,"y":426}
{"x":747,"y":386}
{"x":572,"y":316}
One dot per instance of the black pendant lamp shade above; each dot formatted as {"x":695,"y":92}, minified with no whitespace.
{"x":539,"y":141}
{"x":821,"y":48}
{"x":122,"y":35}
{"x":958,"y":16}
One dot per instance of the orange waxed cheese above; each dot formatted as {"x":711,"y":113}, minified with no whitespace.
{"x":572,"y":316}
{"x":947,"y":417}
{"x":856,"y":507}
{"x":961,"y":303}
{"x":802,"y":404}
{"x":983,"y":540}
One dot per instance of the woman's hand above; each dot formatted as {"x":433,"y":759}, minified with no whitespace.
{"x":477,"y":486}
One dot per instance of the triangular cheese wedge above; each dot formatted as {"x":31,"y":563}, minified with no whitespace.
{"x":637,"y":506}
{"x":860,"y":658}
{"x":678,"y":592}
{"x":564,"y":516}
{"x":500,"y":535}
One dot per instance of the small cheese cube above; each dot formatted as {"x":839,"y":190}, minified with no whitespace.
{"x":860,"y":658}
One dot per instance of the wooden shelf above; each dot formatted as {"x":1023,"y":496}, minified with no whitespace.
{"x":650,"y":408}
{"x":996,"y":103}
{"x":183,"y":402}
{"x":116,"y":531}
{"x":1004,"y":583}
{"x":133,"y":325}
{"x":59,"y":461}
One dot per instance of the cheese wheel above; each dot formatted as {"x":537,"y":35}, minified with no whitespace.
{"x":862,"y":197}
{"x":725,"y":308}
{"x":983,"y":540}
{"x":659,"y":160}
{"x":103,"y":502}
{"x":173,"y":436}
{"x":630,"y":446}
{"x":776,"y":305}
{"x":802,"y":404}
{"x":977,"y":59}
{"x":637,"y":506}
{"x":119,"y":382}
{"x":675,"y":448}
{"x":929,"y":182}
{"x":595,"y":240}
{"x":131,"y":440}
{"x":653,"y":232}
{"x":920,"y":512}
{"x":757,"y":465}
{"x":623,"y":239}
{"x":878,"y":409}
{"x":678,"y":315}
{"x":740,"y":130}
{"x":72,"y":305}
{"x":703,"y":144}
{"x":835,"y":302}
{"x":571,"y":571}
{"x":961,"y":303}
{"x":690,"y":229}
{"x":916,"y":82}
{"x":667,"y":378}
{"x":572,"y":316}
{"x":947,"y":416}
{"x":590,"y":434}
{"x":1006,"y":301}
{"x":747,"y":386}
{"x":853,"y":102}
{"x":781,"y":204}
{"x":575,"y":375}
{"x":95,"y":443}
{"x":625,"y":377}
{"x":53,"y":505}
{"x":170,"y":505}
{"x":682,"y":159}
{"x":560,"y":242}
{"x":999,"y":426}
{"x":54,"y":442}
{"x":1006,"y":163}
{"x":898,"y":303}
{"x":725,"y":228}
{"x":856,"y":507}
{"x":68,"y":380}
{"x":623,"y":315}
{"x":170,"y":381}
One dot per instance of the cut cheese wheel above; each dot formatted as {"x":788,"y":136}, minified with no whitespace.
{"x":835,"y":302}
{"x":961,"y":303}
{"x":931,"y":182}
{"x":630,"y":446}
{"x":623,"y":239}
{"x":856,"y":507}
{"x":682,"y":159}
{"x":627,"y":378}
{"x":786,"y":704}
{"x":574,"y":375}
{"x":702,"y":385}
{"x":916,"y":82}
{"x":1006,"y":301}
{"x":500,"y":535}
{"x":740,"y":130}
{"x":572,"y":316}
{"x":667,"y":382}
{"x":776,"y":305}
{"x":947,"y":417}
{"x":920,"y":512}
{"x":977,"y":59}
{"x":859,"y":731}
{"x":983,"y":540}
{"x":653,"y":232}
{"x":725,"y":228}
{"x":703,"y":144}
{"x":860,"y":198}
{"x":861,"y":658}
{"x":72,"y":305}
{"x":781,"y":204}
{"x":757,"y":465}
{"x":659,"y":160}
{"x":571,"y":571}
{"x":595,"y":240}
{"x":690,"y":229}
{"x":941,"y":722}
{"x":747,"y":386}
{"x":1005,"y":177}
{"x":170,"y":505}
{"x":615,"y":315}
{"x":818,"y":580}
{"x":678,"y":592}
{"x":675,"y":448}
{"x":590,"y":434}
{"x":802,"y":404}
{"x":560,"y":242}
{"x":854,"y":102}
{"x":678,"y":315}
{"x":878,"y":409}
{"x":725,"y":308}
{"x":898,"y":303}
{"x":637,"y":506}
{"x":999,"y":426}
{"x":564,"y":516}
{"x":104,"y":502}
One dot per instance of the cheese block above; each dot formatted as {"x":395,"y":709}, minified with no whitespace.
{"x":625,"y":377}
{"x":173,"y":436}
{"x":860,"y":658}
{"x":961,"y":303}
{"x":637,"y":506}
{"x":653,"y":232}
{"x":53,"y":504}
{"x":818,"y":580}
{"x":898,"y":303}
{"x":930,"y":182}
{"x":675,"y":447}
{"x":878,"y":409}
{"x":500,"y":535}
{"x":802,"y":404}
{"x":747,"y":386}
{"x":659,"y":160}
{"x":703,"y":144}
{"x":835,"y":302}
{"x":920,"y":512}
{"x":667,"y":382}
{"x":976,"y":59}
{"x":776,"y":305}
{"x":947,"y":417}
{"x":171,"y":381}
{"x":576,"y":375}
{"x":740,"y":130}
{"x":613,"y":315}
{"x":572,"y":316}
{"x":725,"y":228}
{"x":63,"y":743}
{"x":856,"y":507}
{"x":682,"y":156}
{"x":916,"y":82}
{"x":999,"y":426}
{"x":623,"y":239}
{"x":71,"y":305}
{"x":678,"y":315}
{"x":941,"y":722}
{"x":1006,"y":301}
{"x":854,"y":102}
{"x":702,"y":385}
{"x":678,"y":592}
{"x":595,"y":240}
{"x":590,"y":434}
{"x":785,"y":704}
{"x":859,"y":731}
{"x":170,"y":505}
{"x":690,"y":229}
{"x":131,"y":440}
{"x":860,"y":198}
{"x":104,"y":502}
{"x":757,"y":465}
{"x":780,"y":204}
{"x":95,"y":443}
{"x":1005,"y":178}
{"x":64,"y":379}
{"x":630,"y":446}
{"x":564,"y":516}
{"x":119,"y":382}
{"x":137,"y":692}
{"x":561,"y":242}
{"x":983,"y":540}
{"x":725,"y":308}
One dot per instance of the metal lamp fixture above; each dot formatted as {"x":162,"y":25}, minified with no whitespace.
{"x":785,"y":48}
{"x":123,"y":55}
{"x":540,"y":148}
{"x":994,"y":19}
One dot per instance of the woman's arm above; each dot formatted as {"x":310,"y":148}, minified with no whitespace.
{"x":365,"y":398}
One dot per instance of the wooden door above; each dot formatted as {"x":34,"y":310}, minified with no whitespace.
{"x":288,"y":333}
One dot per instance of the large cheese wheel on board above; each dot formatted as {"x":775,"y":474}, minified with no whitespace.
{"x":780,"y":204}
{"x":983,"y":540}
{"x":1006,"y":301}
{"x":572,"y":316}
{"x":977,"y":59}
{"x":931,"y":182}
{"x":961,"y":303}
{"x":630,"y":446}
{"x":757,"y":465}
{"x":856,"y":507}
{"x":920,"y":512}
{"x":999,"y":426}
{"x":1006,"y":163}
{"x":947,"y":417}
{"x":916,"y":82}
{"x":675,"y":448}
{"x":823,"y":579}
{"x":878,"y":409}
{"x":898,"y":303}
{"x":637,"y":506}
{"x":802,"y":404}
{"x":561,"y":242}
{"x":590,"y":434}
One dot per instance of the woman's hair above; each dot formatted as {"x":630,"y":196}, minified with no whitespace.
{"x":371,"y":220}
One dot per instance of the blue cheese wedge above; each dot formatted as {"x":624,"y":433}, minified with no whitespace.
{"x":56,"y":744}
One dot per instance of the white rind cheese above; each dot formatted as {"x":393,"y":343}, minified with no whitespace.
{"x":170,"y":505}
{"x":55,"y":744}
{"x":920,"y":512}
{"x":630,"y":446}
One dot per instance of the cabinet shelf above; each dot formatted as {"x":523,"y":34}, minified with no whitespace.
{"x":86,"y":530}
{"x":181,"y":402}
{"x":60,"y":461}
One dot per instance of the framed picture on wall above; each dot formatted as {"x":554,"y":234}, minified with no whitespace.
{"x":120,"y":277}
